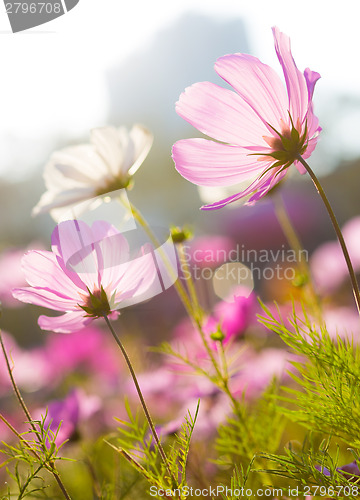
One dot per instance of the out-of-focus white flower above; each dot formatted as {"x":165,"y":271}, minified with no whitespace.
{"x":79,"y":173}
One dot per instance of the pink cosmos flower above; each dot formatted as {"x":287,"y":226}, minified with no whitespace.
{"x":264,"y":127}
{"x":233,"y":317}
{"x":87,"y":274}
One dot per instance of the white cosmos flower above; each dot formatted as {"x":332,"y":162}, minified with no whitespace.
{"x":79,"y":173}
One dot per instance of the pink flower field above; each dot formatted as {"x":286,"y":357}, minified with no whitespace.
{"x":152,"y":346}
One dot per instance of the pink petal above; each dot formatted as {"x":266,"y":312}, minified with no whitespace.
{"x":258,"y":85}
{"x":208,"y":163}
{"x":112,"y":253}
{"x":300,"y":168}
{"x":138,"y":277}
{"x":45,"y":298}
{"x":73,"y":242}
{"x":220,"y":113}
{"x":295,"y":81}
{"x":272,"y":179}
{"x":101,"y":229}
{"x":67,"y":323}
{"x":41,"y":269}
{"x":259,"y":188}
{"x":311,"y":77}
{"x":310,"y":148}
{"x":112,"y":250}
{"x":69,"y":237}
{"x":312,"y":122}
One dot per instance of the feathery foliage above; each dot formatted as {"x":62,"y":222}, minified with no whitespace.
{"x":327,"y":392}
{"x":136,"y":445}
{"x":38,"y":451}
{"x":260,"y":429}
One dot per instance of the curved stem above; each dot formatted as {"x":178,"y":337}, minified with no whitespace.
{"x":141,"y":397}
{"x":189,"y":281}
{"x":51,"y":467}
{"x":339,"y":235}
{"x":16,"y":389}
{"x":223,"y":362}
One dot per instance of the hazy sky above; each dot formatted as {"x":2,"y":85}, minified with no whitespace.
{"x":56,"y":71}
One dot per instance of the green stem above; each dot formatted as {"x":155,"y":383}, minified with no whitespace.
{"x":16,"y":389}
{"x":26,"y":484}
{"x":223,"y":361}
{"x":51,"y":465}
{"x":141,"y":397}
{"x":338,"y":232}
{"x":189,"y":282}
{"x":20,"y":437}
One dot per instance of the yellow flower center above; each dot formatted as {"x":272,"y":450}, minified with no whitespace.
{"x":115,"y":184}
{"x":287,"y":145}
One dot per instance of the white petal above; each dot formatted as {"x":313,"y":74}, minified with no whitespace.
{"x":142,"y":140}
{"x":63,"y":200}
{"x":107,"y":143}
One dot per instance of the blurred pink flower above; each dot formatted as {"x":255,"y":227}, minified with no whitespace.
{"x":71,"y":411}
{"x":22,"y":362}
{"x":159,"y":386}
{"x":87,"y":349}
{"x":264,"y":127}
{"x":82,"y":172}
{"x":213,"y":411}
{"x":187,"y":341}
{"x":327,"y":262}
{"x":328,"y":266}
{"x":11,"y":274}
{"x":86,"y":275}
{"x":233,"y":317}
{"x":209,"y":251}
{"x":258,"y":370}
{"x":351,"y":233}
{"x":350,"y":471}
{"x":343,"y":322}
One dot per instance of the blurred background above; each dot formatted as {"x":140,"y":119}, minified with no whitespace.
{"x":122,"y":63}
